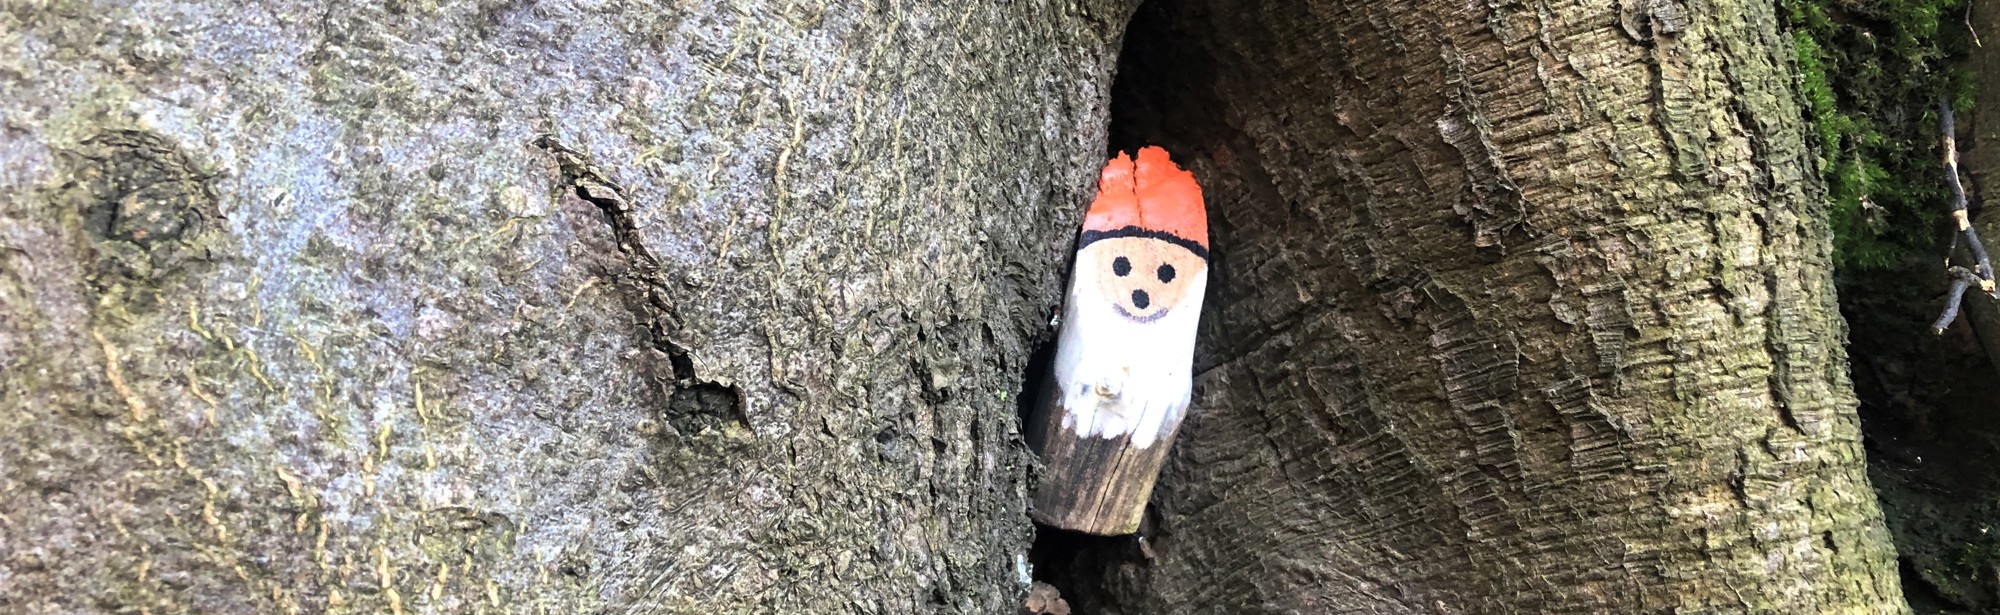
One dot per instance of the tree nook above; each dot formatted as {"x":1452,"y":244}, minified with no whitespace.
{"x":1514,"y":308}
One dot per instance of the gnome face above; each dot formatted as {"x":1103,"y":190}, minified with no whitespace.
{"x":1142,"y":277}
{"x":1127,"y":344}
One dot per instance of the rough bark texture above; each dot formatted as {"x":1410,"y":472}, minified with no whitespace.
{"x":1517,"y":307}
{"x":297,"y":314}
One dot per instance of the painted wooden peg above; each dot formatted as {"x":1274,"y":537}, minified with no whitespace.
{"x":1124,"y":356}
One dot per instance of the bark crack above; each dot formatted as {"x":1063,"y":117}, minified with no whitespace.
{"x":693,"y":398}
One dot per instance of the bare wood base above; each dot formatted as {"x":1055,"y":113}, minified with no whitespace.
{"x":1093,"y":485}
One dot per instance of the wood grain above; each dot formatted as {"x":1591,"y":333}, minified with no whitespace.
{"x":1092,"y":484}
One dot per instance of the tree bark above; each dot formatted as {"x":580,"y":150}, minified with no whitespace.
{"x":1516,"y":308}
{"x":725,"y":307}
{"x":531,"y":306}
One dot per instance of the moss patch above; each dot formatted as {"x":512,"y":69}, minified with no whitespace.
{"x":1871,"y":73}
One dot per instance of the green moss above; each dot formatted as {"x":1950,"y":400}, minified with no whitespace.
{"x":1870,"y":75}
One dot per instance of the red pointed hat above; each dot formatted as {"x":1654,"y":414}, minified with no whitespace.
{"x":1148,"y":197}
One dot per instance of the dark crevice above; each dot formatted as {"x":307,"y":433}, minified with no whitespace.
{"x":1162,"y":95}
{"x":1924,"y":596}
{"x":1035,"y":384}
{"x":703,"y":406}
{"x":1088,"y":570}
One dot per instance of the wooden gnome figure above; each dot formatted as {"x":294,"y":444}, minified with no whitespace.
{"x":1124,"y":359}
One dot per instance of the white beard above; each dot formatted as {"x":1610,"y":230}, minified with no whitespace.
{"x":1117,"y":376}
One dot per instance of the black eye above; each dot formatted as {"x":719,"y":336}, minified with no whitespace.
{"x":1166,"y":273}
{"x":1121,"y":266}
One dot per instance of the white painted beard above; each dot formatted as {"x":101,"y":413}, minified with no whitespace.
{"x":1118,"y":376}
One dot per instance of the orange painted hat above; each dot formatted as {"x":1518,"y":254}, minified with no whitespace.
{"x":1148,"y":197}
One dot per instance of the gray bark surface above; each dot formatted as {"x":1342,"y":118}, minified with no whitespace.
{"x":1517,"y":308}
{"x":530,"y":306}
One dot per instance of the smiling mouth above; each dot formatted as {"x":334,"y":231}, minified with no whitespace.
{"x":1139,"y":319}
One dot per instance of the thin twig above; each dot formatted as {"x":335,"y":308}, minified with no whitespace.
{"x":1959,"y":216}
{"x":1985,"y":271}
{"x":1968,"y":26}
{"x":1961,"y":278}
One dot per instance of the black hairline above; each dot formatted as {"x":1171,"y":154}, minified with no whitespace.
{"x":1090,"y":237}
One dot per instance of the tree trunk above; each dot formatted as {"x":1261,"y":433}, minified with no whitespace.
{"x":725,"y":307}
{"x":530,"y":306}
{"x":1516,"y":308}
